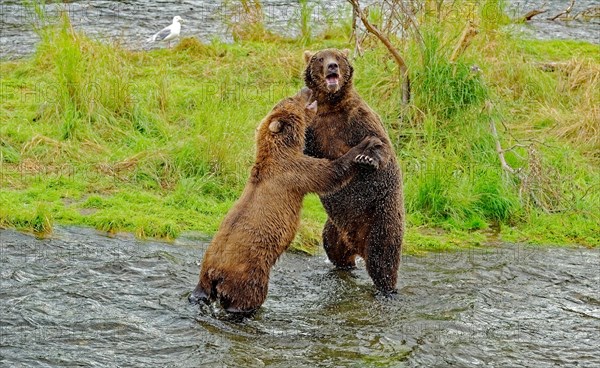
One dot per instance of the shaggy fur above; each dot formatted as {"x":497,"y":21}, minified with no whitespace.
{"x":257,"y":230}
{"x":366,"y":217}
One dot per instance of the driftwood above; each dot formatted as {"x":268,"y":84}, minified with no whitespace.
{"x":567,"y":11}
{"x":533,"y":13}
{"x":395,"y":54}
{"x":589,"y":13}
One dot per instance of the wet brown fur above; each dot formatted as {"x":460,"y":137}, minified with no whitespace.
{"x":257,"y":230}
{"x":366,"y":217}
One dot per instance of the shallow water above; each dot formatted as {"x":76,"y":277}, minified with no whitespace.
{"x":131,"y":22}
{"x":542,"y":28}
{"x":84,"y":299}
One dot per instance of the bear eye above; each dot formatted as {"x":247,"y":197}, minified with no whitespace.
{"x":321,"y":59}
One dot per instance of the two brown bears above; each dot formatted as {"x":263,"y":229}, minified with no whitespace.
{"x":364,"y":202}
{"x":263,"y":222}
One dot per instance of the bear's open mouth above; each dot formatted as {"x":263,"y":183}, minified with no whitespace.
{"x":332,"y":79}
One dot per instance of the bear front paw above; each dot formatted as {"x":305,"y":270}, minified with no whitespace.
{"x":239,"y":292}
{"x":365,"y":160}
{"x":199,"y":295}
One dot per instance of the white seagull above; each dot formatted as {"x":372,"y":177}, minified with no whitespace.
{"x":168,"y":33}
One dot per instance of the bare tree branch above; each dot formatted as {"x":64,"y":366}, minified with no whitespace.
{"x":411,"y":17}
{"x":354,"y":34}
{"x":399,"y":60}
{"x":515,"y":146}
{"x":505,"y":166}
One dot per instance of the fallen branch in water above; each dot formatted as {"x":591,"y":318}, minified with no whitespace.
{"x":565,"y":12}
{"x":533,"y":13}
{"x":589,"y":13}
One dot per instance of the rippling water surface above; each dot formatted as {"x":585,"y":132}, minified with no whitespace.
{"x":542,"y":27}
{"x":84,"y":299}
{"x":132,"y":22}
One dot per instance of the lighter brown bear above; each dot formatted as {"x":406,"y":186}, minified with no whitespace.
{"x":260,"y":226}
{"x":366,"y":216}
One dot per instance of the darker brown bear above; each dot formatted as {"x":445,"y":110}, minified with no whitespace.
{"x":365,"y":217}
{"x":261,"y":225}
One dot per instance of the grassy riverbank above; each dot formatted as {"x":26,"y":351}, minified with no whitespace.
{"x":159,"y":143}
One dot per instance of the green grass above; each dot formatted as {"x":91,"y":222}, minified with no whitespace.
{"x":305,"y":21}
{"x":160,"y":143}
{"x":557,"y":50}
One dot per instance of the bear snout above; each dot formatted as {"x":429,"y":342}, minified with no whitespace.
{"x":332,"y":75}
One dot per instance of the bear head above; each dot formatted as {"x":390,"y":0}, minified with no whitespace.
{"x":328,"y":73}
{"x":284,"y":126}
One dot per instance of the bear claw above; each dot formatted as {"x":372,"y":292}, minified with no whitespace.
{"x":364,"y":159}
{"x":241,"y":312}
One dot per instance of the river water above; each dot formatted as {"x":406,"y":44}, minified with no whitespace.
{"x":81,"y":298}
{"x":84,"y":299}
{"x":131,"y":22}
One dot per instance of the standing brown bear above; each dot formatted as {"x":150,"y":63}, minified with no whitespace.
{"x":263,"y":222}
{"x":365,"y":217}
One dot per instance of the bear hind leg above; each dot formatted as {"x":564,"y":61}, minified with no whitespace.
{"x":383,"y":255}
{"x":338,"y":248}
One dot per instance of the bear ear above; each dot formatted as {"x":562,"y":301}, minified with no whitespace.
{"x":308,"y":55}
{"x":312,"y":106}
{"x":306,"y":93}
{"x":275,"y":126}
{"x":346,"y":52}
